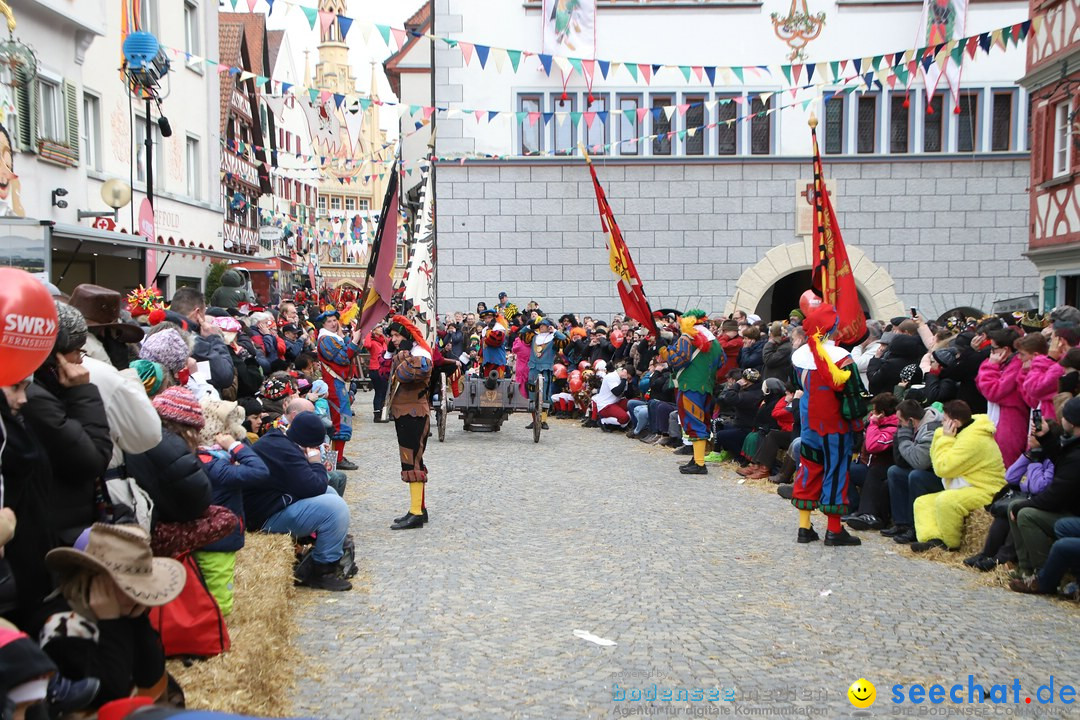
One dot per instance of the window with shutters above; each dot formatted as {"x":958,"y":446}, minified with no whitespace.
{"x":934,"y":125}
{"x":694,"y":124}
{"x":899,"y":125}
{"x":834,"y":124}
{"x":967,"y":123}
{"x":91,"y":135}
{"x":629,"y":127}
{"x":1060,"y":160}
{"x":51,"y":125}
{"x":727,"y":129}
{"x":866,"y":123}
{"x":661,"y":124}
{"x":1001,"y":121}
{"x":761,"y":129}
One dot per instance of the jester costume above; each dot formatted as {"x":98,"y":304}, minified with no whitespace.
{"x":494,"y":341}
{"x":831,"y":415}
{"x":336,"y":355}
{"x":694,"y":358}
{"x":545,"y":343}
{"x":410,"y":374}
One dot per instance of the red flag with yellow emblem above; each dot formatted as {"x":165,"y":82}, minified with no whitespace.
{"x":631,"y":291}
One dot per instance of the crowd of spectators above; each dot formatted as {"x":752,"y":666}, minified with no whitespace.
{"x":967,"y":415}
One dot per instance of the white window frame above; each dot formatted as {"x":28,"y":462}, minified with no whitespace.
{"x":320,"y":206}
{"x":91,"y":130}
{"x":349,"y":200}
{"x":524,"y":127}
{"x":193,"y":35}
{"x":56,"y":85}
{"x":628,"y":146}
{"x":193,"y":167}
{"x":702,"y":132}
{"x":149,"y":15}
{"x":335,"y":203}
{"x":1062,"y":157}
{"x":363,"y":204}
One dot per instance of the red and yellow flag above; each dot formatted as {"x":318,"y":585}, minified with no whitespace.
{"x":833,"y":278}
{"x":631,"y":291}
{"x":378,"y":289}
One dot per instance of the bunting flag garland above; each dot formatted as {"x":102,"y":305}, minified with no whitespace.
{"x":833,"y":278}
{"x":419,"y":278}
{"x":942,"y":21}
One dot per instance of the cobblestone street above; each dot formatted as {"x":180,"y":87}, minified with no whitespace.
{"x":698,"y":580}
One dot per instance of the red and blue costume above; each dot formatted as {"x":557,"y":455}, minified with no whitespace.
{"x":336,"y":355}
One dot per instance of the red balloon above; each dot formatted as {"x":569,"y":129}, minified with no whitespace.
{"x":616,"y":338}
{"x":808,"y":301}
{"x":27,"y":325}
{"x":575,"y":383}
{"x":559,"y":371}
{"x":583,"y":365}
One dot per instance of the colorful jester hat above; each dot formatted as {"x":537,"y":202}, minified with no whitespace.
{"x":819,"y":324}
{"x":690,"y":324}
{"x":404,"y":326}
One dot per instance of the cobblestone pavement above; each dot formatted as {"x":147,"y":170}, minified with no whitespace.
{"x":698,"y":580}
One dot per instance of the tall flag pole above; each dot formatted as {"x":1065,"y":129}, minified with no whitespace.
{"x":379,"y":281}
{"x":631,"y":291}
{"x":832,"y":275}
{"x":420,"y":274}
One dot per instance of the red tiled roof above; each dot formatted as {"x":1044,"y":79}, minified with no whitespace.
{"x":254,"y":35}
{"x":420,"y":20}
{"x":420,"y":17}
{"x":274,"y":38}
{"x":230,"y":38}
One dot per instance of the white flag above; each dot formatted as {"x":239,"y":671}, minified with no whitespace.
{"x":420,"y":274}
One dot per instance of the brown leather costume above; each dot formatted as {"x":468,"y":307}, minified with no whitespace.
{"x":410,"y":409}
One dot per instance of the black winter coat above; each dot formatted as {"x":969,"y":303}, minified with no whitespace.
{"x":744,"y":402}
{"x":174,"y":479}
{"x":74,"y":431}
{"x":883,"y":374}
{"x":752,"y":356}
{"x":963,"y":374}
{"x":776,"y":360}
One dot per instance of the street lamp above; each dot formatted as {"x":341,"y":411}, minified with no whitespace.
{"x":116,"y":193}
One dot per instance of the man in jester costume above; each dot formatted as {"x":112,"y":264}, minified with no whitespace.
{"x":826,"y":374}
{"x":336,"y":354}
{"x":410,"y":374}
{"x":694,"y":358}
{"x":493,"y":338}
{"x":545,"y":344}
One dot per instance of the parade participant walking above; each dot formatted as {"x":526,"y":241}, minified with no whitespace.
{"x":494,"y":342}
{"x":824,"y":371}
{"x":545,"y":344}
{"x":336,"y":355}
{"x":375,"y":343}
{"x":695,"y":357}
{"x":409,"y":406}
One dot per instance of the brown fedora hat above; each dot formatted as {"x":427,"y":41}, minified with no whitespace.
{"x":123,"y":553}
{"x":101,"y":308}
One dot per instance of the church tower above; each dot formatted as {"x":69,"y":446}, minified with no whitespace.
{"x":333,"y":71}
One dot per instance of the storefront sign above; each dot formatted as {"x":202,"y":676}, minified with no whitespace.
{"x":104,"y":223}
{"x":239,"y":238}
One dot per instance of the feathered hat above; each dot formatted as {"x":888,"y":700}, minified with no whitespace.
{"x":404,"y":326}
{"x":819,"y":323}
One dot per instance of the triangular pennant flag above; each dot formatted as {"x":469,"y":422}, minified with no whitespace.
{"x":590,"y":118}
{"x":738,"y":73}
{"x":656,"y":68}
{"x":466,"y":51}
{"x":234,"y":5}
{"x":630,"y":114}
{"x":534,"y":117}
{"x":500,"y":58}
{"x":344,"y":25}
{"x":576,"y":64}
{"x":710,"y":72}
{"x":1025,"y":28}
{"x":786,"y":69}
{"x":984,"y":42}
{"x":641,"y":112}
{"x":479,"y":115}
{"x":810,"y":72}
{"x":325,"y":18}
{"x":669,"y":110}
{"x":834,"y":68}
{"x":482,"y":52}
{"x":1006,"y":36}
{"x":384,"y":30}
{"x":575,"y":118}
{"x":588,"y":68}
{"x":545,"y":62}
{"x":972,"y":46}
{"x":564,"y":65}
{"x":685,"y":70}
{"x":285,"y":88}
{"x":957,"y":54}
{"x":311,"y":13}
{"x":683,"y":108}
{"x":876,"y":62}
{"x":515,"y":58}
{"x":633,"y":70}
{"x":338,"y":100}
{"x":857,"y":64}
{"x":548,"y":117}
{"x":796,"y":72}
{"x":492,"y":114}
{"x":646,"y":72}
{"x":400,"y":37}
{"x":604,"y":66}
{"x":251,"y":5}
{"x":891,"y":80}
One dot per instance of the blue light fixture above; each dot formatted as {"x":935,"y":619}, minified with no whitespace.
{"x":140,"y":49}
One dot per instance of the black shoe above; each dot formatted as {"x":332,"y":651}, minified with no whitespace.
{"x":544,"y":426}
{"x":685,"y":450}
{"x":863,"y":522}
{"x":785,"y":491}
{"x":325,"y":577}
{"x":807,"y":535}
{"x":930,"y":544}
{"x":841,"y":538}
{"x":405,"y":517}
{"x":346,"y":464}
{"x":66,"y":695}
{"x":894,"y":530}
{"x":985,"y":563}
{"x":409,"y":523}
{"x":974,"y":560}
{"x":648,"y":439}
{"x":906,"y":537}
{"x":531,"y":425}
{"x":693,"y":469}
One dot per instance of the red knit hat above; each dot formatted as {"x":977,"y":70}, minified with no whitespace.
{"x":179,"y":405}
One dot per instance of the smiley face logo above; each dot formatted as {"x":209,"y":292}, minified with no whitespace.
{"x":862,"y":693}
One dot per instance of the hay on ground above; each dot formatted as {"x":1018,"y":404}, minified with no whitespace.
{"x":256,"y":676}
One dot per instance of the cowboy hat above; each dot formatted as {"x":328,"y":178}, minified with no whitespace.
{"x":101,"y":308}
{"x":123,"y":553}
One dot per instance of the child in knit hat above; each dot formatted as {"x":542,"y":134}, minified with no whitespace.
{"x":231,"y":466}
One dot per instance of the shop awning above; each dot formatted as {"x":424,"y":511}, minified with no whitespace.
{"x":276,"y":264}
{"x":89,"y":234}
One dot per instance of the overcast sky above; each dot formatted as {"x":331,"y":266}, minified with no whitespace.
{"x":301,"y":37}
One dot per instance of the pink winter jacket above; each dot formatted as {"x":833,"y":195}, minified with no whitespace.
{"x":1039,"y":384}
{"x":880,"y":433}
{"x":1000,"y":385}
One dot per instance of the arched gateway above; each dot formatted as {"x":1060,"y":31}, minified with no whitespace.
{"x":762,"y":281}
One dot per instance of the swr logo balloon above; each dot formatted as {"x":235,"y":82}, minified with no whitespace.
{"x":29,"y":325}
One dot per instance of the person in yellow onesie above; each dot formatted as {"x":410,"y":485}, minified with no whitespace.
{"x":968,"y":460}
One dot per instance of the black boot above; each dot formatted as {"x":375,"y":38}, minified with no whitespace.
{"x":409,"y":522}
{"x":808,"y":535}
{"x":840,"y":538}
{"x":325,"y":577}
